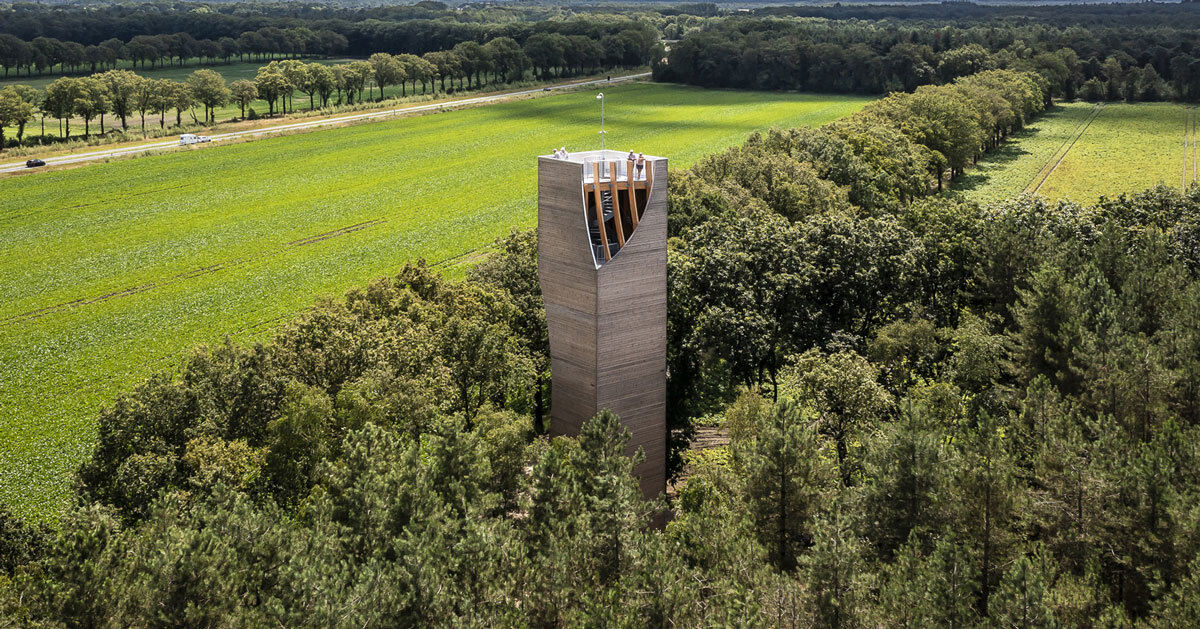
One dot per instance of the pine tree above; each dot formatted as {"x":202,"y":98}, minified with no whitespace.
{"x":904,"y":475}
{"x":835,"y":572}
{"x":982,"y":500}
{"x":1022,"y":600}
{"x":953,"y":580}
{"x":783,"y":478}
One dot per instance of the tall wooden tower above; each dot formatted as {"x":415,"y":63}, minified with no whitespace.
{"x":602,"y":264}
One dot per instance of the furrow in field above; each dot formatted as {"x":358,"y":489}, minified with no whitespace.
{"x":1061,"y":154}
{"x":1189,"y":147}
{"x":333,"y":234}
{"x":1183,"y":177}
{"x":1055,"y":157}
{"x":189,"y":275}
{"x":1076,"y":152}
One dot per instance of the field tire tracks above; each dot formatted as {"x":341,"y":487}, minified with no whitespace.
{"x":188,"y":275}
{"x":1187,"y":121}
{"x":335,"y":233}
{"x":1064,"y":150}
{"x":1189,"y":133}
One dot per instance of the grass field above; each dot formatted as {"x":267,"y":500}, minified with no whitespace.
{"x":114,"y":271}
{"x":1080,"y":151}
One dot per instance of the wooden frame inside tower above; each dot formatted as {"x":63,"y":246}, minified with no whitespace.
{"x":602,"y":264}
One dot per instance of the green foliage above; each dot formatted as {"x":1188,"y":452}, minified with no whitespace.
{"x":843,"y":390}
{"x":836,"y":573}
{"x":263,"y":420}
{"x":784,"y":185}
{"x":1006,"y":391}
{"x":19,"y":543}
{"x":983,"y":496}
{"x":785,"y":478}
{"x":904,"y":476}
{"x":1023,"y":599}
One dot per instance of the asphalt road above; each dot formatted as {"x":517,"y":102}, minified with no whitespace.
{"x":77,"y":158}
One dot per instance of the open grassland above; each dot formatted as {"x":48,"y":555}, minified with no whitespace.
{"x":112,"y":272}
{"x":1080,"y":151}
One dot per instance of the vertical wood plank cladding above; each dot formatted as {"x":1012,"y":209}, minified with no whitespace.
{"x":608,"y":325}
{"x":631,"y":359}
{"x":567,"y":274}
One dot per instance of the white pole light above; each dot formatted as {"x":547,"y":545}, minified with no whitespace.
{"x":600,"y":97}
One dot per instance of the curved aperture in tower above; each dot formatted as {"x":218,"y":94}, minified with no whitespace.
{"x":615,"y":192}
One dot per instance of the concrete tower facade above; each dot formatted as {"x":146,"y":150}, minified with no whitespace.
{"x":602,"y":265}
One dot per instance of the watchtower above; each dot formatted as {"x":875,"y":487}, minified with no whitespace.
{"x":602,"y":264}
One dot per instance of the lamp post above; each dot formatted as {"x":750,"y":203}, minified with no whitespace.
{"x":603,"y":133}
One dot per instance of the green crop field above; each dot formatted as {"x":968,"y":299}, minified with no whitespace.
{"x":114,"y":271}
{"x":1079,"y":151}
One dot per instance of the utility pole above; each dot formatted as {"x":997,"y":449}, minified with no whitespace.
{"x":603,"y":133}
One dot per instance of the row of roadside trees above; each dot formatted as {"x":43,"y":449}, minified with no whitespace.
{"x":470,"y":63}
{"x":121,"y":93}
{"x":124,"y":94}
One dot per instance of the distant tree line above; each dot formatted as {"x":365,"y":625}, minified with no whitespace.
{"x":965,"y":14}
{"x":39,"y":38}
{"x":939,"y":414}
{"x":46,"y":54}
{"x":97,"y":22}
{"x":1111,"y":60}
{"x":123,"y":93}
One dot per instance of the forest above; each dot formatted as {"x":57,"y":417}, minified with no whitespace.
{"x":940,"y":414}
{"x":40,"y":37}
{"x":1116,"y":57}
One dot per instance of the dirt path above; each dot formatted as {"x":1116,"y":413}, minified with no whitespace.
{"x":707,"y":437}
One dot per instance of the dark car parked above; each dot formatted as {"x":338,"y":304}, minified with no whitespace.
{"x":34,"y":163}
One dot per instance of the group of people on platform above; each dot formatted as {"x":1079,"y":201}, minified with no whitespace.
{"x":639,"y":163}
{"x":638,"y":159}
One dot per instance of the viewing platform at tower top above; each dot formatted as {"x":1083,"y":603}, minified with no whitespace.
{"x":605,"y":160}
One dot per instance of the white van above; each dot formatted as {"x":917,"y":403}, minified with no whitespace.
{"x":192,"y":138}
